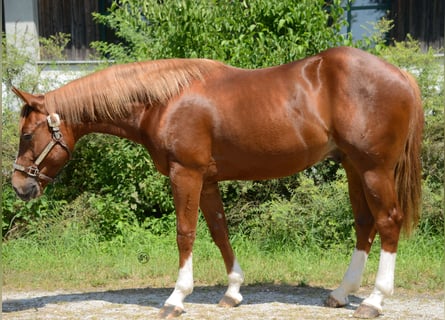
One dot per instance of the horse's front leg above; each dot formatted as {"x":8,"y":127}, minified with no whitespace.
{"x":186,"y":187}
{"x":212,"y":208}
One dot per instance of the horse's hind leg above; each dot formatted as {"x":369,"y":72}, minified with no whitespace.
{"x":212,"y":208}
{"x":380,"y":192}
{"x":365,"y":231}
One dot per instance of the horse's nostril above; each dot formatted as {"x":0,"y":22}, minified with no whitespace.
{"x":30,"y":191}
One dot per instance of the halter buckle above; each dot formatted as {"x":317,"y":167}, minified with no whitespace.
{"x":53,"y":121}
{"x":57,"y":135}
{"x":32,"y":171}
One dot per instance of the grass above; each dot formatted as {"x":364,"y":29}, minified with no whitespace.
{"x":78,"y":261}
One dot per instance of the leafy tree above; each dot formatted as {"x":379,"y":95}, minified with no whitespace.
{"x":250,"y":34}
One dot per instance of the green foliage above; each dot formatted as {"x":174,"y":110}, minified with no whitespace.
{"x":118,"y":183}
{"x":51,"y":48}
{"x":20,"y":68}
{"x":432,"y":220}
{"x":27,"y":218}
{"x":10,"y":141}
{"x":377,"y":40}
{"x":109,"y":165}
{"x":309,"y":216}
{"x":243,"y":33}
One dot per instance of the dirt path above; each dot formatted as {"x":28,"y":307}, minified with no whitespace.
{"x":260,"y":302}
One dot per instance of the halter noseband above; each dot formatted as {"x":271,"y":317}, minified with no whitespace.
{"x":57,"y":138}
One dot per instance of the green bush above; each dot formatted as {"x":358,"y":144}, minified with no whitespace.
{"x":21,"y":70}
{"x":119,"y":182}
{"x":432,"y":221}
{"x":109,"y":165}
{"x":27,"y":218}
{"x":310,"y":216}
{"x":243,"y":33}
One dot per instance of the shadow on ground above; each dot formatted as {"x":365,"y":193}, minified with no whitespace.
{"x":154,"y":297}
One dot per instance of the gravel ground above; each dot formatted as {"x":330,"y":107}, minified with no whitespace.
{"x":260,"y":302}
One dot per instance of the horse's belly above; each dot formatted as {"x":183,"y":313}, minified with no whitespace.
{"x":272,"y":149}
{"x":240,"y":164}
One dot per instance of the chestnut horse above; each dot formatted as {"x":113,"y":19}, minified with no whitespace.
{"x":203,"y":122}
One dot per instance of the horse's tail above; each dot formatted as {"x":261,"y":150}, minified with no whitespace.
{"x":408,"y":169}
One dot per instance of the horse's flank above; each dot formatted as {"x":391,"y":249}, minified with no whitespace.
{"x":110,"y":93}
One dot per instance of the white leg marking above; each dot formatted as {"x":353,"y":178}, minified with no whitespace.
{"x":236,"y":278}
{"x":184,"y":285}
{"x":384,"y":283}
{"x":353,"y":277}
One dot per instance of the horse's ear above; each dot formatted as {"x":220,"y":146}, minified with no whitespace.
{"x":36,"y":102}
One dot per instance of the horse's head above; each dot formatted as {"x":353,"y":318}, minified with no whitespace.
{"x":44,"y":147}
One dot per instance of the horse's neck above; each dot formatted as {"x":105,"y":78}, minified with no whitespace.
{"x":124,"y":128}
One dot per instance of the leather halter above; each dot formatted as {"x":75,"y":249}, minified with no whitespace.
{"x":57,"y":138}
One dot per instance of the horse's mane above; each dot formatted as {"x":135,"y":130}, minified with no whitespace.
{"x":110,"y":93}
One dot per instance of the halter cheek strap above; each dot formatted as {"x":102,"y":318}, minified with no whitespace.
{"x":57,"y":138}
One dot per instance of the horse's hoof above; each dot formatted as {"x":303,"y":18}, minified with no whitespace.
{"x":228,"y":302}
{"x":170,"y":312}
{"x":365,"y":311}
{"x":331,"y":302}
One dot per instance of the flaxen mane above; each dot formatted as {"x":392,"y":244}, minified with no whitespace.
{"x":108,"y":94}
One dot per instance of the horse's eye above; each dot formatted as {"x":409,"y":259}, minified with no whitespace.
{"x":27,"y":136}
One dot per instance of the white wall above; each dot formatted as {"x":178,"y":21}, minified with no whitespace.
{"x":21,"y":25}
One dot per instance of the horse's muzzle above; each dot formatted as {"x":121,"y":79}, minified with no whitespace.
{"x":27,"y":189}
